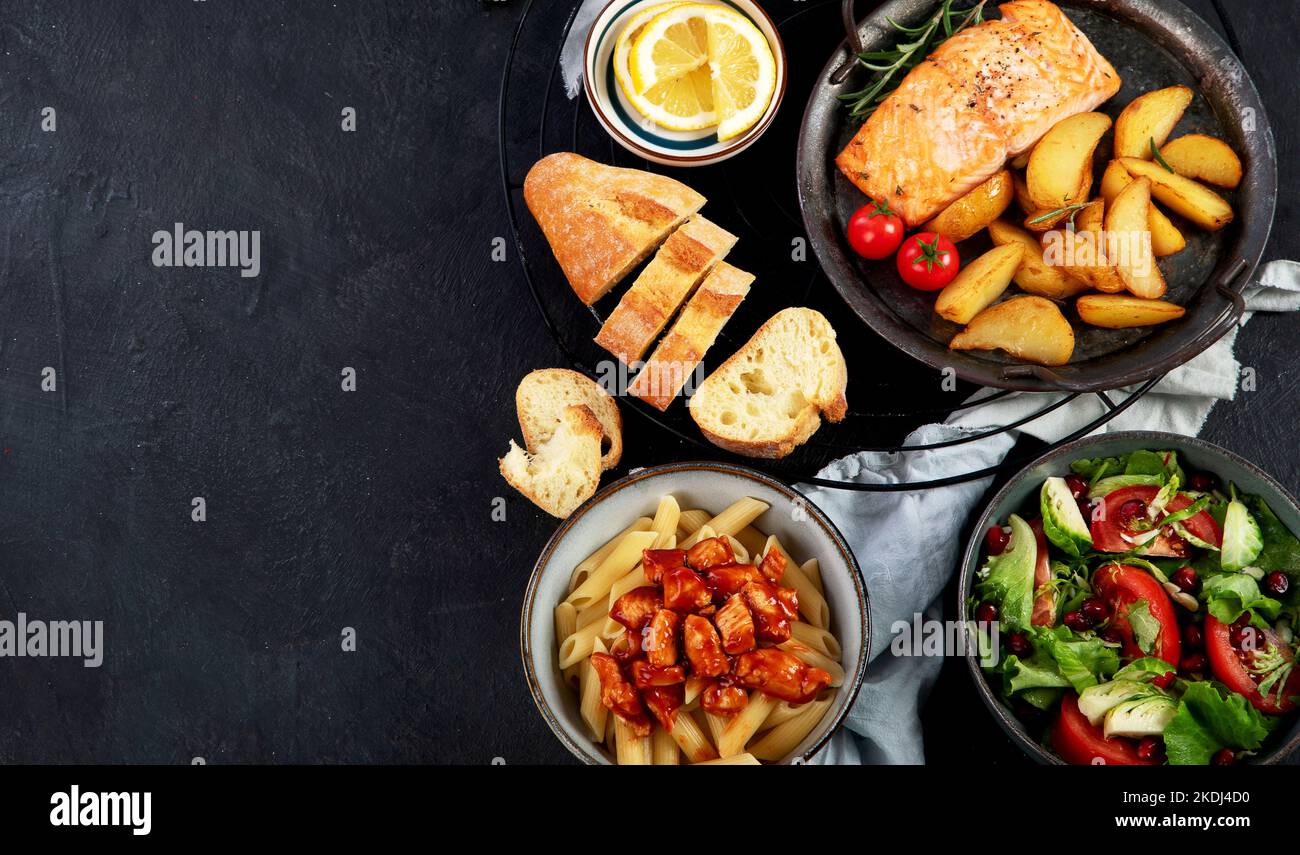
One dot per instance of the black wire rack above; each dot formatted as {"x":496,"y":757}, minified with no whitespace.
{"x":751,"y":195}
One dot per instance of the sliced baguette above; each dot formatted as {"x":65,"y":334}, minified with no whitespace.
{"x":768,"y":397}
{"x":667,"y":281}
{"x":565,"y":471}
{"x":694,"y":332}
{"x":543,"y":395}
{"x":601,"y":221}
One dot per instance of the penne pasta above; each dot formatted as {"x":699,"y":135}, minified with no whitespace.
{"x":738,"y":760}
{"x":744,"y":724}
{"x":812,"y":569}
{"x":635,"y":578}
{"x":630,"y":749}
{"x":664,"y":524}
{"x":816,"y":659}
{"x":623,"y":558}
{"x":821,"y":640}
{"x":663,"y":749}
{"x":739,"y":514}
{"x":786,"y":736}
{"x":766,"y":728}
{"x":812,"y":605}
{"x":579,"y":645}
{"x":592,"y":561}
{"x":566,"y":620}
{"x":690,"y":521}
{"x":688,"y":736}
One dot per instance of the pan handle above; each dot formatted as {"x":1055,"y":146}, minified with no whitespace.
{"x":850,"y":22}
{"x":1226,"y":320}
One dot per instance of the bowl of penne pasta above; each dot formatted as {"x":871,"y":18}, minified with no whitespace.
{"x":695,"y":613}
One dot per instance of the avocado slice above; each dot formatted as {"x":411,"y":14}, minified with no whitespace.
{"x":1008,"y":579}
{"x":1062,"y":522}
{"x":1140,"y":717}
{"x":1096,"y":701}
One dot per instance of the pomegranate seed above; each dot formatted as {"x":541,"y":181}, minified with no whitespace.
{"x":1095,"y":610}
{"x":1165,"y":680}
{"x":1085,"y":510}
{"x":1277,"y":583}
{"x":1193,"y":663}
{"x":1243,"y":620}
{"x":1187,"y":579}
{"x":1244,"y":637}
{"x":996,"y":540}
{"x":1112,"y":635}
{"x":1192,"y":635}
{"x":1151,"y":748}
{"x":1224,"y":757}
{"x":1130,"y":512}
{"x":1018,"y":643}
{"x":1202,"y":482}
{"x":1077,"y":622}
{"x":986,"y":613}
{"x":1078,"y":485}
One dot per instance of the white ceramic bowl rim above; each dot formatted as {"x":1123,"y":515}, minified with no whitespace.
{"x":849,"y":690}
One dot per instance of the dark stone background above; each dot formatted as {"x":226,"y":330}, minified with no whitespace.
{"x":325,"y":509}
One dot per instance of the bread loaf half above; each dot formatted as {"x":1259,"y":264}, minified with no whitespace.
{"x":565,"y":470}
{"x":543,"y":395}
{"x":601,"y":221}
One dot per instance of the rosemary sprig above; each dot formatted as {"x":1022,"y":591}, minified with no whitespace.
{"x":1155,"y":152}
{"x":905,"y":56}
{"x":1072,"y":209}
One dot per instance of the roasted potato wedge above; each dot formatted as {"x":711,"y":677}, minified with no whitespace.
{"x":1149,"y":118}
{"x":1028,"y":328}
{"x":971,"y":213}
{"x":1203,"y":158}
{"x":1128,"y":241}
{"x":1184,"y":196}
{"x":1120,"y":311}
{"x":979,"y":283}
{"x":1166,"y":239}
{"x":1060,"y":168}
{"x":1021,"y":189}
{"x":1021,"y":160}
{"x":1080,"y":252}
{"x":1033,"y":275}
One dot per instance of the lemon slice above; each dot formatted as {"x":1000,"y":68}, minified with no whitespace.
{"x":668,"y":68}
{"x":743,"y":71}
{"x":653,"y":107}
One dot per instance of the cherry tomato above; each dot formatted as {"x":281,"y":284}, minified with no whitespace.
{"x":875,"y":231}
{"x":1122,"y":587}
{"x":1081,"y":743}
{"x":928,"y":261}
{"x":1229,"y":667}
{"x":1108,"y":526}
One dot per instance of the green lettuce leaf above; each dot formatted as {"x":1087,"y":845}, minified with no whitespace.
{"x":1281,"y":548}
{"x":1207,"y":721}
{"x":1144,"y":670}
{"x":1229,"y":594}
{"x":1162,"y":464}
{"x":1146,"y":629}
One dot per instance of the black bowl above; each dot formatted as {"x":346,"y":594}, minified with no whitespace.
{"x":1153,"y":44}
{"x":1194,"y":453}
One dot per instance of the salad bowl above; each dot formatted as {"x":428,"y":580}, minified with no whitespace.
{"x":1271,"y":540}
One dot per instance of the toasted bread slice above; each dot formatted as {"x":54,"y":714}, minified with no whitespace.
{"x":601,"y":221}
{"x":691,"y":336}
{"x":565,"y":471}
{"x":766,"y":399}
{"x":542,"y":397}
{"x":656,"y":295}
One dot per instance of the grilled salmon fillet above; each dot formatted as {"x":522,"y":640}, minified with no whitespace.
{"x":986,"y":94}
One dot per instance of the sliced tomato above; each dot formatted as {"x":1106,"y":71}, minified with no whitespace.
{"x":1123,"y":587}
{"x":1044,"y":613}
{"x":1229,"y":668}
{"x":1108,"y":524}
{"x":1080,"y":743}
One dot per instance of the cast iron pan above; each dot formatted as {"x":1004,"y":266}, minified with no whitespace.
{"x":1153,"y":44}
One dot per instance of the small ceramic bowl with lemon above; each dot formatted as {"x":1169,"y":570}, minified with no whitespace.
{"x":684,"y":82}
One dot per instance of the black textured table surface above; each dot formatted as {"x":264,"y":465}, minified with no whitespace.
{"x":333,"y":512}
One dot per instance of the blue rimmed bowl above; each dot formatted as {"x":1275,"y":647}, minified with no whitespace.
{"x":638,"y":134}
